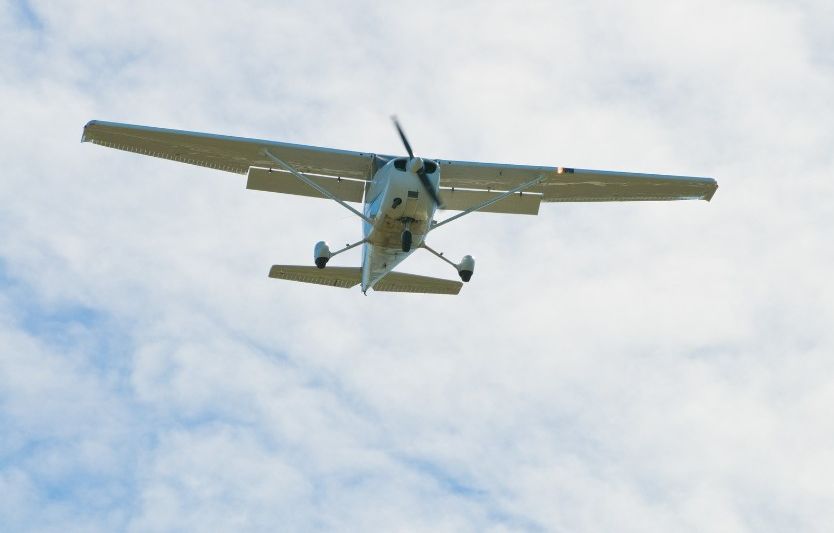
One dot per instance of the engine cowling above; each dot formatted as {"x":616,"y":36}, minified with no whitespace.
{"x":466,"y":268}
{"x":321,"y":254}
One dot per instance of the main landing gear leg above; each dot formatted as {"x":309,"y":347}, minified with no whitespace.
{"x":465,"y":268}
{"x":322,"y":253}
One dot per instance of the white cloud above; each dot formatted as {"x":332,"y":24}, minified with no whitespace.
{"x":630,"y":367}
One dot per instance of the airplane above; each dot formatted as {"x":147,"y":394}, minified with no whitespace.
{"x":400,"y":195}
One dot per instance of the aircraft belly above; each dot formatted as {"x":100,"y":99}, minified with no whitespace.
{"x":379,"y":260}
{"x":398,"y":202}
{"x":387,"y":232}
{"x":401,"y":202}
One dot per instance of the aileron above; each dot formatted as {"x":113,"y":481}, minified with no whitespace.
{"x":221,"y":152}
{"x":564,"y":184}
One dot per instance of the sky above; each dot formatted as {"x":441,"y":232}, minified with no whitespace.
{"x":610,"y":367}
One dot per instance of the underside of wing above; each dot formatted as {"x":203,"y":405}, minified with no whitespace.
{"x":231,"y":154}
{"x":523,"y":203}
{"x":262,"y":179}
{"x":576,"y":185}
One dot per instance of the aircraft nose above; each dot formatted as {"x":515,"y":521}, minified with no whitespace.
{"x":415,"y":164}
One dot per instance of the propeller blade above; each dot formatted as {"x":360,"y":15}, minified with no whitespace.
{"x":424,"y":179}
{"x":402,"y":136}
{"x":421,"y":172}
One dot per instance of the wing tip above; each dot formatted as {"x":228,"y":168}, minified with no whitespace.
{"x":712,"y":191}
{"x":84,"y":136}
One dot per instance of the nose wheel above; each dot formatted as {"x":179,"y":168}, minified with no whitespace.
{"x":406,"y":236}
{"x":406,"y":240}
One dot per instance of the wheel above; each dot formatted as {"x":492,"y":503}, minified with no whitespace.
{"x":406,"y":241}
{"x":465,"y":275}
{"x":321,"y":262}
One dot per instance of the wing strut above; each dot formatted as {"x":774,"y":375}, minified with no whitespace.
{"x":316,"y":186}
{"x":496,"y":199}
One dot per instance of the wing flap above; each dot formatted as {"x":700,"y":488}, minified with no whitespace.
{"x":521,"y":204}
{"x":576,"y":185}
{"x":221,"y":152}
{"x":262,"y":179}
{"x":402,"y":282}
{"x":344,"y":277}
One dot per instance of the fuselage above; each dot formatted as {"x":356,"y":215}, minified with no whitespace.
{"x":395,"y":200}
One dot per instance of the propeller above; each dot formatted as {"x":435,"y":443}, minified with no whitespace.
{"x":421,"y":168}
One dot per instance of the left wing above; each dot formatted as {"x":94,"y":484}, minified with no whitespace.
{"x":526,"y":203}
{"x":574,"y":184}
{"x":232,"y":154}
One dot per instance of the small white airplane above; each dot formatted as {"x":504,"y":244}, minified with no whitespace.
{"x":400,"y":194}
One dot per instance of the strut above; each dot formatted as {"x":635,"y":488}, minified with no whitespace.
{"x":316,"y":186}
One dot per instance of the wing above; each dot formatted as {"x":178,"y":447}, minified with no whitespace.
{"x":263,"y":179}
{"x":574,"y":184}
{"x":526,"y":203}
{"x":232,"y":154}
{"x":238,"y":154}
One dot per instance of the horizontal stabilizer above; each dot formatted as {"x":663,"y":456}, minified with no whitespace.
{"x":344,"y":277}
{"x":402,"y":282}
{"x":347,"y":277}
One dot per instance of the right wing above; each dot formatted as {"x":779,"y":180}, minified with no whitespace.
{"x":232,"y":154}
{"x":264,"y":179}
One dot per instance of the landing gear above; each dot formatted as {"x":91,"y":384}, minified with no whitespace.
{"x":406,"y":236}
{"x":466,"y":267}
{"x":321,"y":254}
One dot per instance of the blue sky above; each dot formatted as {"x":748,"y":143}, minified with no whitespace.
{"x":630,"y":367}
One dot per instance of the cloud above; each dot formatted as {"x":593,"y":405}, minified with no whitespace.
{"x":630,"y":366}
